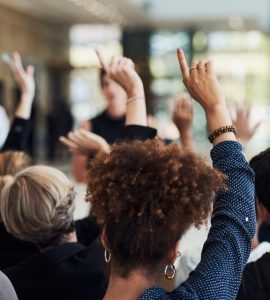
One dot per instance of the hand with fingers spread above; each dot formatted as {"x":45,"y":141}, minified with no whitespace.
{"x":24,"y":77}
{"x":203,"y":85}
{"x":85,"y":142}
{"x":245,"y":131}
{"x":183,"y":119}
{"x":183,"y":114}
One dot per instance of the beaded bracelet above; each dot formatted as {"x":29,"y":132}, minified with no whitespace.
{"x":220,"y":131}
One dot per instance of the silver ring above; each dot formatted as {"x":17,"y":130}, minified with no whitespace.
{"x":200,"y":68}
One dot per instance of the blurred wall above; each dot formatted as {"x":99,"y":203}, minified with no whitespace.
{"x":38,"y":41}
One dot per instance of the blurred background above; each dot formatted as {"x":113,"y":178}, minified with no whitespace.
{"x":59,"y":38}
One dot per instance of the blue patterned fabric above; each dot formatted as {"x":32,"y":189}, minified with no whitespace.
{"x":228,"y":245}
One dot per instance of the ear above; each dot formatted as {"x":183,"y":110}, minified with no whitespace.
{"x":174,"y":254}
{"x":104,"y":239}
{"x":263,"y":214}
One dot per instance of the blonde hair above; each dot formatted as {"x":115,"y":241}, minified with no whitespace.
{"x":11,"y":162}
{"x":38,"y":205}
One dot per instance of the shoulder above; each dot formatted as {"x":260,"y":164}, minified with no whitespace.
{"x":14,"y":271}
{"x":88,"y":124}
{"x":100,"y":116}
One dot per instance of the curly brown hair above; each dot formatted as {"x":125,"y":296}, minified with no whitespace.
{"x":147,"y":195}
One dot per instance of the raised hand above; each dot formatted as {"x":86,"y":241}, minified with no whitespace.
{"x":183,"y":119}
{"x":204,"y":87}
{"x":84,"y":142}
{"x":202,"y":83}
{"x":245,"y":131}
{"x":183,"y":114}
{"x":121,"y":70}
{"x":24,"y":77}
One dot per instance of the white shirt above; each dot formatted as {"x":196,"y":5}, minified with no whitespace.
{"x":7,"y":291}
{"x":4,"y":126}
{"x":259,"y":251}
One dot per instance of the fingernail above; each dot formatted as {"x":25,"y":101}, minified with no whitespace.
{"x":179,"y":50}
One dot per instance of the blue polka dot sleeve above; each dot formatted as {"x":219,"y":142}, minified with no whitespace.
{"x":228,"y":245}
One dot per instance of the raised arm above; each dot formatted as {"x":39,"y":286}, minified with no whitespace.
{"x":19,"y":131}
{"x":228,"y":245}
{"x":183,"y":119}
{"x":242,"y":121}
{"x":121,"y":70}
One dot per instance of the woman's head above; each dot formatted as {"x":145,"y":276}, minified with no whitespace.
{"x":147,"y":195}
{"x":115,"y":95}
{"x":37,"y":205}
{"x":11,"y":162}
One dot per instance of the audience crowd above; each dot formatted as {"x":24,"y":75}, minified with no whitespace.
{"x":144,"y":195}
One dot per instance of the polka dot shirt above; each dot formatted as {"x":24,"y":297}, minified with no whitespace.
{"x":228,"y":245}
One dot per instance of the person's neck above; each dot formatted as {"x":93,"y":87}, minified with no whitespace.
{"x":128,"y":288}
{"x":116,"y":112}
{"x":68,"y":238}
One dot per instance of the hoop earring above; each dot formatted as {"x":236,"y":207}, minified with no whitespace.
{"x":169,"y":268}
{"x":179,"y":254}
{"x":107,"y":256}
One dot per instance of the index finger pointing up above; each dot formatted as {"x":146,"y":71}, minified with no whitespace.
{"x":183,"y":64}
{"x":101,"y":59}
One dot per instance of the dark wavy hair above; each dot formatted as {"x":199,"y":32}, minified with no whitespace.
{"x":261,"y":166}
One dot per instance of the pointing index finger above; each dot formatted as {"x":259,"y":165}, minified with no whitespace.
{"x":101,"y":59}
{"x":183,"y":64}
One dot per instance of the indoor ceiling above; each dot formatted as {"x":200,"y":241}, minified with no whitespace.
{"x":207,"y":14}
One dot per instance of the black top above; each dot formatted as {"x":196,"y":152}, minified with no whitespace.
{"x":264,"y":233}
{"x":18,"y":135}
{"x":69,"y":271}
{"x":107,"y":127}
{"x":255,"y":281}
{"x":14,"y":251}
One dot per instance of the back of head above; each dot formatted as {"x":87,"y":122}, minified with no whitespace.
{"x":261,"y":166}
{"x":147,"y":195}
{"x":11,"y":162}
{"x":37,"y":205}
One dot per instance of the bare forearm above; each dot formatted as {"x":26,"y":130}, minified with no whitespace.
{"x":136,"y":109}
{"x":24,"y":107}
{"x":216,"y":118}
{"x":188,"y":141}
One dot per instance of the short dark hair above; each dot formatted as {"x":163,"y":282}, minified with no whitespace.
{"x":261,"y":166}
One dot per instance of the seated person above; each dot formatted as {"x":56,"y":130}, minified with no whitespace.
{"x":146,"y":195}
{"x":12,"y":250}
{"x":109,"y":124}
{"x":255,"y":281}
{"x":37,"y":206}
{"x":260,"y":164}
{"x":13,"y":158}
